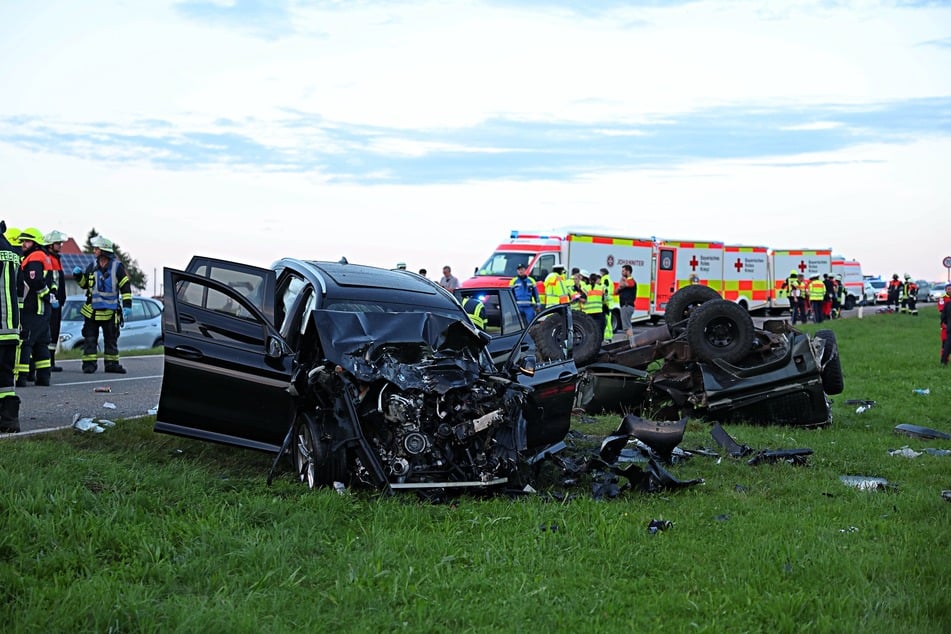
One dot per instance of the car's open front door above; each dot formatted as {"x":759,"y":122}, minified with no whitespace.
{"x":548,"y":341}
{"x":227,"y":369}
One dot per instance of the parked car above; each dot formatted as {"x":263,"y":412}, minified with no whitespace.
{"x":937,"y":290}
{"x":924,"y":290}
{"x":143,"y":329}
{"x":362,"y":375}
{"x":880,"y":292}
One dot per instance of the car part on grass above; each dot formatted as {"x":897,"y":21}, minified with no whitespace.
{"x":937,"y":452}
{"x":917,"y":431}
{"x":866,"y":483}
{"x":946,"y":496}
{"x":661,"y":436}
{"x":736,"y":450}
{"x":863,"y":404}
{"x":655,"y":526}
{"x":922,"y":391}
{"x":905,"y":452}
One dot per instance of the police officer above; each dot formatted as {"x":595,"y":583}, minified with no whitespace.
{"x":526,"y":292}
{"x":9,"y":335}
{"x":35,"y":316}
{"x":107,"y":290}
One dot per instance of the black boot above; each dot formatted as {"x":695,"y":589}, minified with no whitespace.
{"x":89,"y":367}
{"x":10,"y":414}
{"x":115,"y":368}
{"x":53,"y":366}
{"x":21,"y":381}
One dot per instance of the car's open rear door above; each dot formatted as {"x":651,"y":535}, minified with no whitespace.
{"x":227,"y":369}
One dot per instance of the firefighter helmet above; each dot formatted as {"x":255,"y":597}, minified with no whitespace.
{"x":793,"y":272}
{"x":55,"y":236}
{"x":33,"y":235}
{"x":12,"y":235}
{"x":907,"y":277}
{"x":894,"y":276}
{"x":558,"y":265}
{"x":103,"y":244}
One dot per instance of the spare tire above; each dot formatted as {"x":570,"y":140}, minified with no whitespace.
{"x":683,"y":302}
{"x":549,"y":335}
{"x":720,"y":329}
{"x":832,"y":381}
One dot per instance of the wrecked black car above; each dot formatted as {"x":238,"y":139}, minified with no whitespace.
{"x":360,"y":375}
{"x":708,"y":360}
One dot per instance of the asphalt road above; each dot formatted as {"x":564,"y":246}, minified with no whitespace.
{"x":72,"y":392}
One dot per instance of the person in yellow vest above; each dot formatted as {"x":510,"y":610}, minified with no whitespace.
{"x":610,"y":303}
{"x":909,"y":296}
{"x":476,"y":311}
{"x":594,"y":300}
{"x":556,"y":286}
{"x":817,"y":291}
{"x":9,"y":334}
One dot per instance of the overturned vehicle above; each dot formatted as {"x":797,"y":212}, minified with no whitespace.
{"x":357,"y":374}
{"x":708,"y":360}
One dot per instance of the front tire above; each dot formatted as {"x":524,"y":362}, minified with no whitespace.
{"x":315,"y":463}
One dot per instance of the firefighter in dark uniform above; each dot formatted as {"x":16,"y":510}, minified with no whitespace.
{"x":108,"y":304}
{"x":35,"y":292}
{"x":9,"y":334}
{"x":54,"y":243}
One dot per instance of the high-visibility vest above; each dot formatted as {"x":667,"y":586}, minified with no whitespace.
{"x":610,"y":291}
{"x":594,"y":304}
{"x":817,"y":290}
{"x":556,"y":290}
{"x":474,"y":308}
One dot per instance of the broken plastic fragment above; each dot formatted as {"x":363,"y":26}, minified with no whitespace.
{"x":863,"y":404}
{"x":906,"y":452}
{"x":109,"y":405}
{"x":152,"y":411}
{"x":865,"y":483}
{"x":946,"y":495}
{"x":921,"y":391}
{"x":850,"y":529}
{"x":658,"y":525}
{"x":340,"y":487}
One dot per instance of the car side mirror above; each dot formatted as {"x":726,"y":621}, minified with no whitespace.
{"x":527,"y":366}
{"x":275,"y":347}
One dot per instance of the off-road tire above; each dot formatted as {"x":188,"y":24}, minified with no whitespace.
{"x":720,"y":329}
{"x":683,"y":303}
{"x":550,"y":333}
{"x":832,"y":381}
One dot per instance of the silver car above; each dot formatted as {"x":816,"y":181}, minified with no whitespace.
{"x":143,"y":329}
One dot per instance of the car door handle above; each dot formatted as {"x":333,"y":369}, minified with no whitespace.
{"x":564,"y":377}
{"x":187,"y":352}
{"x":187,"y":319}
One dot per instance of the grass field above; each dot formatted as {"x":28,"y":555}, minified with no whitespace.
{"x":130,"y":531}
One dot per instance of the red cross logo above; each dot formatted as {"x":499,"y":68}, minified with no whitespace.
{"x":693,"y":262}
{"x":802,"y":266}
{"x":738,"y":265}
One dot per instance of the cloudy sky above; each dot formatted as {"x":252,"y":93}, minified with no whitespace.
{"x":427,"y":131}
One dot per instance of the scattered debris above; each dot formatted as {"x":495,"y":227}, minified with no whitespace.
{"x":736,"y":450}
{"x":152,"y":411}
{"x":655,"y":526}
{"x":850,"y":529}
{"x":905,"y":451}
{"x":921,"y":432}
{"x":102,"y":389}
{"x":662,"y":437}
{"x":109,"y":405}
{"x":937,"y":452}
{"x":924,"y":392}
{"x":725,"y":517}
{"x":87,"y":424}
{"x":946,"y":495}
{"x":866,"y":483}
{"x":863,"y":404}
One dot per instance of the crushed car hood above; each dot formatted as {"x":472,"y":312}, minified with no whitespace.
{"x":411,"y":350}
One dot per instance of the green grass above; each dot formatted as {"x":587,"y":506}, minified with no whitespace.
{"x":130,"y":531}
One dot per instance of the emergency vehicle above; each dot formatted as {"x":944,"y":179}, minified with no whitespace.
{"x":852,"y":279}
{"x":738,"y":273}
{"x":806,"y":262}
{"x":586,"y":251}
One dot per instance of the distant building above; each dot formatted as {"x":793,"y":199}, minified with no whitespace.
{"x":71,"y":257}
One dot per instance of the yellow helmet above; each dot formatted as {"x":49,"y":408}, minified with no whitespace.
{"x":12,"y":234}
{"x":33,"y":234}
